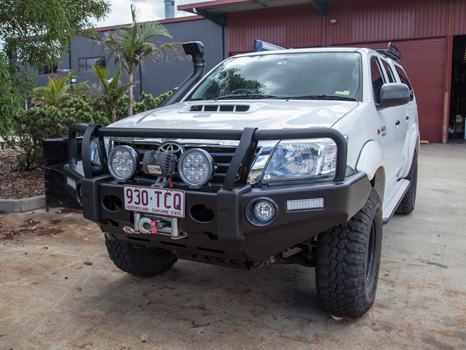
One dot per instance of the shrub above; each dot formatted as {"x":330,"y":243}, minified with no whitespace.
{"x":36,"y":124}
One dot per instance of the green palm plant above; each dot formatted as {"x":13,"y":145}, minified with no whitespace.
{"x":131,"y":47}
{"x":112,"y":89}
{"x":57,"y":91}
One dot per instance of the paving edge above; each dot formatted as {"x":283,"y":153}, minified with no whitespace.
{"x":20,"y":205}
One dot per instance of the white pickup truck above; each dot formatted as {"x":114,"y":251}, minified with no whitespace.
{"x":281,"y":157}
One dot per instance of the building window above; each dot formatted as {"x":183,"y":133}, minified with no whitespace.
{"x":85,"y":64}
{"x":48,"y":70}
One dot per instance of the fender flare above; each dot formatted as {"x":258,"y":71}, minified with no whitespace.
{"x":414,"y":145}
{"x":370,"y":159}
{"x":372,"y":162}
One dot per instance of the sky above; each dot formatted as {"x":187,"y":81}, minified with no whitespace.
{"x":148,"y":10}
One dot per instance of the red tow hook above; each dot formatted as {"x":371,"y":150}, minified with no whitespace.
{"x":153,"y":227}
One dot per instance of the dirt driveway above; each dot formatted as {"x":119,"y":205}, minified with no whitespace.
{"x":59,"y":290}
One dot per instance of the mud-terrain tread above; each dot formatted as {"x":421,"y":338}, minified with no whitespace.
{"x":141,"y":261}
{"x":341,"y":259}
{"x":408,"y":202}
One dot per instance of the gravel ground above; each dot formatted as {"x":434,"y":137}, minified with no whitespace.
{"x":18,"y":184}
{"x":61,"y":291}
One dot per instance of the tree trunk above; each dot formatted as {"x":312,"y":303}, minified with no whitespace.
{"x":113,"y":115}
{"x":130,"y":94}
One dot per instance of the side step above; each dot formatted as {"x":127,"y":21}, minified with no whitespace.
{"x":393,"y":199}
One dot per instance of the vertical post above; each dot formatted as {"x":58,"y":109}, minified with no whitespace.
{"x":447,"y":75}
{"x":324,"y":31}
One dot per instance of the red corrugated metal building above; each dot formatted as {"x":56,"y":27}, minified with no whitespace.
{"x":424,"y":30}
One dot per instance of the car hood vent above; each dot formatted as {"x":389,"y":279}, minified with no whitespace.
{"x":219,"y":108}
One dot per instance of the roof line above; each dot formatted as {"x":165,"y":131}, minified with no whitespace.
{"x":190,"y":7}
{"x":161,"y":21}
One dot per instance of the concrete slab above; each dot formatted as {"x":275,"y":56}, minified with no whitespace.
{"x":25,"y":204}
{"x":10,"y":205}
{"x":52,"y":300}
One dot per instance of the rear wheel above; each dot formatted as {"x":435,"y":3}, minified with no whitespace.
{"x":139,"y":260}
{"x":348,"y":260}
{"x":406,"y":205}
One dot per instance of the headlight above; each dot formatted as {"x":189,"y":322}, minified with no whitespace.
{"x":95,"y":157}
{"x":301,"y":160}
{"x":122,"y":162}
{"x":255,"y":174}
{"x":196,"y":167}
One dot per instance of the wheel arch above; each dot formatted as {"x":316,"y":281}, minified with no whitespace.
{"x":414,"y":146}
{"x":372,"y":162}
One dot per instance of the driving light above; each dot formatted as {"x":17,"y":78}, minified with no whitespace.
{"x":261,"y":211}
{"x":196,"y":167}
{"x":303,"y":204}
{"x":122,"y":163}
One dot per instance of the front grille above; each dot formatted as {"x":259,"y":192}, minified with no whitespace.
{"x":222,"y":156}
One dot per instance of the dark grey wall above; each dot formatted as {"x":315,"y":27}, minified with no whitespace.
{"x":160,"y":77}
{"x":156,"y":78}
{"x":63,"y":67}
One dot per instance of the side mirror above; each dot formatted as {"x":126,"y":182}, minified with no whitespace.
{"x":394,"y":94}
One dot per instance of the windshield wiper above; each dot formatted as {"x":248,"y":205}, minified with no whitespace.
{"x":243,"y":96}
{"x":322,"y":97}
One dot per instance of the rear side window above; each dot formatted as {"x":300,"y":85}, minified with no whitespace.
{"x":403,"y":77}
{"x":377,"y":80}
{"x":389,"y":72}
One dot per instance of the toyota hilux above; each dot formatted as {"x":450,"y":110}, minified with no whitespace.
{"x":276,"y":157}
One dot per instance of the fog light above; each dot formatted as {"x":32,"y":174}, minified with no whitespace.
{"x":264,"y":210}
{"x":303,"y":204}
{"x":261,"y":211}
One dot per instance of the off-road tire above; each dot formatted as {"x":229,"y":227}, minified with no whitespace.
{"x":348,"y":260}
{"x":406,"y":205}
{"x":139,"y":260}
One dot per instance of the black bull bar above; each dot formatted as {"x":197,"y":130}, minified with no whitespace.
{"x":242,"y":159}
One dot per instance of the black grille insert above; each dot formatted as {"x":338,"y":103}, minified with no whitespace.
{"x":219,"y":108}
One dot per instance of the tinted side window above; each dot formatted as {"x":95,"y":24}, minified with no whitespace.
{"x":377,"y":80}
{"x":389,"y":72}
{"x":403,"y":77}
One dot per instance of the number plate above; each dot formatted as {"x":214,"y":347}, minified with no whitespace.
{"x":160,"y":201}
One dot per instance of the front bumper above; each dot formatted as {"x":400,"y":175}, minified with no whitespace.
{"x":229,"y":238}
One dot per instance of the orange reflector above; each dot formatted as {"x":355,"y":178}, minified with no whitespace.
{"x":378,"y":131}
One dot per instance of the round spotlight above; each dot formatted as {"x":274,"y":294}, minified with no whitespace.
{"x":122,"y":163}
{"x":196,"y":167}
{"x":261,"y":211}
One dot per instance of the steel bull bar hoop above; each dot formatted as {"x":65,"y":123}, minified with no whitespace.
{"x":249,"y":137}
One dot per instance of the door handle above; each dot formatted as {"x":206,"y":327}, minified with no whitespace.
{"x":397,"y":122}
{"x":407,"y":118}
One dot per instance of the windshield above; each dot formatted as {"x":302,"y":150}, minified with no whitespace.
{"x":317,"y":75}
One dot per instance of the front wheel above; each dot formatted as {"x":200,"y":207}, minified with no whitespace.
{"x":348,"y":260}
{"x":139,"y":260}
